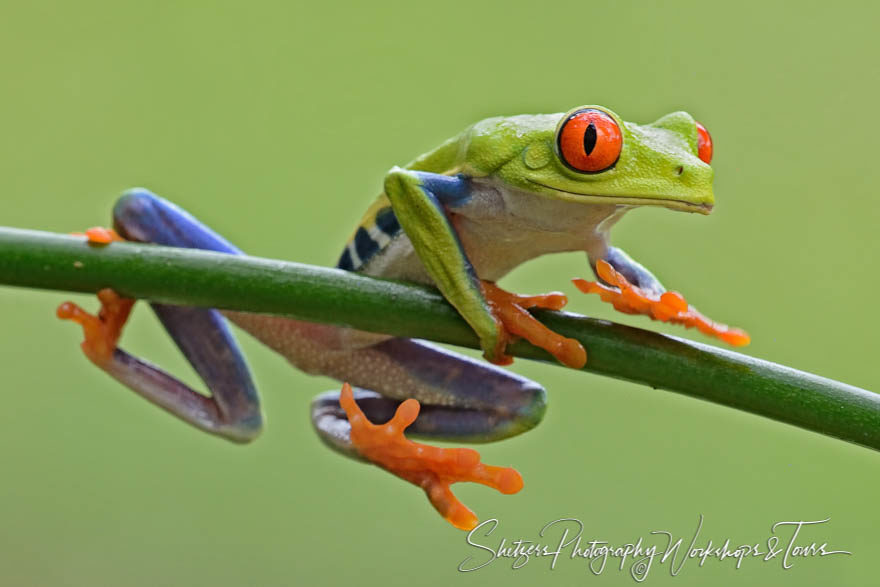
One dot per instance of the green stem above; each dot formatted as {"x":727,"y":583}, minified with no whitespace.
{"x":201,"y":278}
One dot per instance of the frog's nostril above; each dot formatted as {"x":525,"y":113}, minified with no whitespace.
{"x":680,"y":170}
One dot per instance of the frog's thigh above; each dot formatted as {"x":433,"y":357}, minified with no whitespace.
{"x":461,"y":399}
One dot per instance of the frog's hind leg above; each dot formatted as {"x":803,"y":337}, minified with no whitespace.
{"x":453,"y":398}
{"x":462,"y":399}
{"x":233,"y":409}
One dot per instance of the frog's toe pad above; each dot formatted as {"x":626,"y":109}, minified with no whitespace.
{"x":431,"y":468}
{"x":512,"y":310}
{"x":669,"y":307}
{"x":98,"y":235}
{"x":101,"y":331}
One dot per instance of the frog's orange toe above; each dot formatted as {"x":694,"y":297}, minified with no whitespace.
{"x":101,"y":331}
{"x":432,"y":468}
{"x":669,"y":307}
{"x":511,"y":310}
{"x":735,"y":337}
{"x":99,"y":235}
{"x":102,"y":236}
{"x":452,"y":510}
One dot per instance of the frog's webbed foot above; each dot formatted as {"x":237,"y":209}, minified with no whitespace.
{"x":431,"y":468}
{"x":512,"y":311}
{"x":668,"y":307}
{"x":101,"y":331}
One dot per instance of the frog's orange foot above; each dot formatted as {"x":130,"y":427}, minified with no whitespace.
{"x":512,"y":311}
{"x":431,"y":468}
{"x":99,"y":235}
{"x":668,"y":307}
{"x":102,"y":331}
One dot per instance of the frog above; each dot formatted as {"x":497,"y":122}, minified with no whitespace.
{"x":504,"y":191}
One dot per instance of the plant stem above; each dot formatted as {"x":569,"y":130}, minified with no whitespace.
{"x":201,"y":278}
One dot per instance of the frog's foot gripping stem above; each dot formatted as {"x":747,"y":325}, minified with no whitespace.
{"x":512,"y":311}
{"x":431,"y":468}
{"x":668,"y":307}
{"x":98,"y":235}
{"x":101,"y":331}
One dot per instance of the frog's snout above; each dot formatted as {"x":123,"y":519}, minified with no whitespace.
{"x":695,"y":180}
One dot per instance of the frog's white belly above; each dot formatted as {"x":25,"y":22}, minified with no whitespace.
{"x":501,"y":227}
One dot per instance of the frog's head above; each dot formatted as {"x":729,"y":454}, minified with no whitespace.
{"x":590,"y":155}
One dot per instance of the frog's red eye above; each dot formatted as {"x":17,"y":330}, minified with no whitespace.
{"x":704,"y":144}
{"x":589,"y":141}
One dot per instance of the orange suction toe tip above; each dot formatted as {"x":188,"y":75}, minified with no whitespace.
{"x":102,"y":236}
{"x":510,"y":481}
{"x":736,"y":337}
{"x":462,"y":518}
{"x":573,"y":354}
{"x":65,"y":311}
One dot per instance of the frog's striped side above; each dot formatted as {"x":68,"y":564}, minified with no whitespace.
{"x":375,"y":231}
{"x":379,"y":226}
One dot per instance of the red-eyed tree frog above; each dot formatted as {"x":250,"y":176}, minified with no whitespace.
{"x":504,"y":191}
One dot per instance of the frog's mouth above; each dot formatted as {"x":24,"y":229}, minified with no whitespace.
{"x":672,"y":204}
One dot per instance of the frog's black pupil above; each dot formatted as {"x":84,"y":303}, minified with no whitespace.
{"x":590,"y":139}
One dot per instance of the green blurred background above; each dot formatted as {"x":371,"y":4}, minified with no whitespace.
{"x":275,"y":123}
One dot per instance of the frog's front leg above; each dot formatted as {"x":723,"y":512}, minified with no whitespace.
{"x":233,"y":409}
{"x":422,"y":203}
{"x":632,"y":289}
